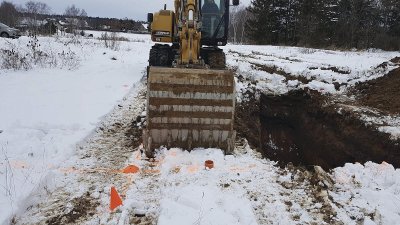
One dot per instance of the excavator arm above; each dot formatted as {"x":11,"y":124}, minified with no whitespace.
{"x":188,"y":30}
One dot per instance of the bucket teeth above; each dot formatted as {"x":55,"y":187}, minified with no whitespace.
{"x":189,"y":108}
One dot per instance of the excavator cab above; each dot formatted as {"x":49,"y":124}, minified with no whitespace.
{"x":215,"y":19}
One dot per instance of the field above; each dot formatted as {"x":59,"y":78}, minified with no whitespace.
{"x":71,"y":113}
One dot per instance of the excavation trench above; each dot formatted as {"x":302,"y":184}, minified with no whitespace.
{"x":301,"y":128}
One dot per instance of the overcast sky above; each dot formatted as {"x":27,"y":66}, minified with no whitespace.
{"x":132,"y":9}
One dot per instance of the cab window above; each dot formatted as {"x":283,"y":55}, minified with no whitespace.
{"x":212,"y":12}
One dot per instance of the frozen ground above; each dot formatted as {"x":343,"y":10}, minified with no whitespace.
{"x":67,"y":134}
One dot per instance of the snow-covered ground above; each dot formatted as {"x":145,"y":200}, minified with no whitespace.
{"x":45,"y":112}
{"x":246,"y":189}
{"x":65,"y":135}
{"x":129,"y":36}
{"x":314,"y":68}
{"x":369,"y":192}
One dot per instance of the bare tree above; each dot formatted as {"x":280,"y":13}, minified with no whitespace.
{"x":76,"y":17}
{"x":238,"y":18}
{"x":72,"y":11}
{"x":8,"y":13}
{"x":83,"y":13}
{"x":37,"y":7}
{"x":34,"y":9}
{"x":244,"y":16}
{"x":234,"y":21}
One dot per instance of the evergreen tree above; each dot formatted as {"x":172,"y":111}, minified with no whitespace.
{"x":310,"y":22}
{"x":261,"y":27}
{"x":326,"y":23}
{"x":273,"y":21}
{"x":329,"y":22}
{"x":8,"y":13}
{"x":391,"y":12}
{"x":287,"y":15}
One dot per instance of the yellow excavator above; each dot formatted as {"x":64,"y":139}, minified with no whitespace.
{"x":190,"y":93}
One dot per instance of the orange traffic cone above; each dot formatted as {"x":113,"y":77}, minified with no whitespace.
{"x":131,"y":169}
{"x":115,"y":199}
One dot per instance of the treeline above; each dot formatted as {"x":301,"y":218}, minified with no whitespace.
{"x":33,"y":12}
{"x":323,"y":23}
{"x":115,"y":24}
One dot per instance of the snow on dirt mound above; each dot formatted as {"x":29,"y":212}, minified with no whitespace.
{"x":368,"y":193}
{"x":382,"y":93}
{"x":276,"y":69}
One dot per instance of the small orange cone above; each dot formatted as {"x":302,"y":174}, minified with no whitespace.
{"x":209,"y":164}
{"x":131,"y":169}
{"x":115,"y":199}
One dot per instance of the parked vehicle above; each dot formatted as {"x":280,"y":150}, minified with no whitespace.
{"x":8,"y":32}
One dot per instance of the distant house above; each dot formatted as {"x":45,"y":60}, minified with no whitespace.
{"x":140,"y":28}
{"x":105,"y":27}
{"x":44,"y":26}
{"x":27,"y":23}
{"x":63,"y":23}
{"x":31,"y":22}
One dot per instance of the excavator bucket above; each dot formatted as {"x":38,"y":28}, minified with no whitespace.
{"x":189,"y":108}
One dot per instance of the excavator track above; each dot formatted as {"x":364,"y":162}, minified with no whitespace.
{"x":189,"y":108}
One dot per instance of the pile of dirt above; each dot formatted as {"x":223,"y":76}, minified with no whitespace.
{"x":382,"y":93}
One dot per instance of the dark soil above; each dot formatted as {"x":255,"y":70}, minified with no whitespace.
{"x":82,"y":207}
{"x":299,"y":128}
{"x":274,"y":69}
{"x":247,"y":120}
{"x":332,"y":68}
{"x":134,"y":134}
{"x":382,"y":93}
{"x":336,"y":70}
{"x":302,"y":129}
